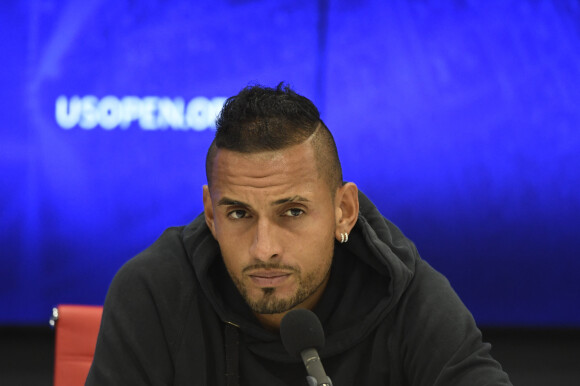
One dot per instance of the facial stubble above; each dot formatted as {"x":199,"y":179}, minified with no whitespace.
{"x":270,"y":303}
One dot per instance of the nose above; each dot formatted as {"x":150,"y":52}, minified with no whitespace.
{"x":265,"y":245}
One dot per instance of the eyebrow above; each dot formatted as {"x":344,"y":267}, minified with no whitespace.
{"x":230,"y":202}
{"x":290,"y":199}
{"x":226,"y":201}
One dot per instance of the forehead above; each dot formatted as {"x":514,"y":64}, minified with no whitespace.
{"x":285,"y":170}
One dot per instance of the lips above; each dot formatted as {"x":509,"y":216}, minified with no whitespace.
{"x":269,"y":278}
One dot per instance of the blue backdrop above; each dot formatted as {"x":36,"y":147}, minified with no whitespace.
{"x":459,"y":119}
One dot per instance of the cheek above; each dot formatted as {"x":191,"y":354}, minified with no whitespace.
{"x":231,"y":249}
{"x":232,"y":262}
{"x":319,"y":230}
{"x":317,"y":250}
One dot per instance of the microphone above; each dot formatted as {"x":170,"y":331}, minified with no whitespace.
{"x":302,"y":335}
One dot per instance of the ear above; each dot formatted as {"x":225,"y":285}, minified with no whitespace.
{"x":208,"y":210}
{"x":346,"y":208}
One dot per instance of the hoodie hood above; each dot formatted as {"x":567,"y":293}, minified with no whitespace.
{"x":369,"y":275}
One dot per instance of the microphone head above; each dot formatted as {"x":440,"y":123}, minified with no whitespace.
{"x":301,"y":329}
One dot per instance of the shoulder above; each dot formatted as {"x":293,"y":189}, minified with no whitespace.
{"x":158,"y":286}
{"x":148,"y":303}
{"x":438,"y":337}
{"x":159,"y":265}
{"x":167,"y":250}
{"x":431,"y":309}
{"x":159,"y":281}
{"x":429,"y":284}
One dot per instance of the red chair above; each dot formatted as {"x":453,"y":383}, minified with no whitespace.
{"x":77,"y":327}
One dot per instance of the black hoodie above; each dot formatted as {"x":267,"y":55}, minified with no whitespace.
{"x":172,"y":316}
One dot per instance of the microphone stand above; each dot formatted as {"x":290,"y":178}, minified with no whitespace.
{"x":316,"y":375}
{"x":313,"y":382}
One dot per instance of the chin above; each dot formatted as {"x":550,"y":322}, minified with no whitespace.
{"x":269,"y":301}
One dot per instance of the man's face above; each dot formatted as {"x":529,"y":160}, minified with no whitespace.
{"x":274,"y":219}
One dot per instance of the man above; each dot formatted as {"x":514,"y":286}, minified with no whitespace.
{"x":280,"y":231}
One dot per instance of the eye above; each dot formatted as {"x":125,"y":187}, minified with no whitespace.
{"x":294,"y":212}
{"x":238,"y":214}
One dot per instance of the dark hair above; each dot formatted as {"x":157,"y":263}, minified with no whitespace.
{"x":264,"y":119}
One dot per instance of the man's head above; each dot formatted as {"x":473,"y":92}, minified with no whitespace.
{"x":275,"y":201}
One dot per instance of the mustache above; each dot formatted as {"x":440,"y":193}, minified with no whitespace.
{"x":262,"y":265}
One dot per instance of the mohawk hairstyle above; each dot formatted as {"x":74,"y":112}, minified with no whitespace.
{"x":260,"y":119}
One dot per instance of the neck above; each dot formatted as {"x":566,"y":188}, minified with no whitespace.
{"x":271,"y":322}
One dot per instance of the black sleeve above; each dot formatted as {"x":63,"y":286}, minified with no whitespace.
{"x":439,"y":340}
{"x":145,"y":311}
{"x":132,"y":348}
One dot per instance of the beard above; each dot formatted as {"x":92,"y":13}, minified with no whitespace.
{"x":270,"y":302}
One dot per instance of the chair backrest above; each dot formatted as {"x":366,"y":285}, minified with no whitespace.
{"x":77,"y":327}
